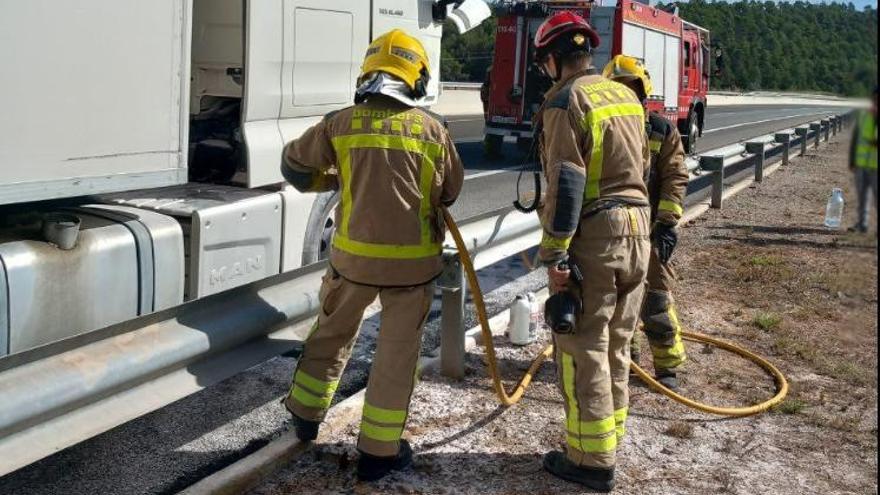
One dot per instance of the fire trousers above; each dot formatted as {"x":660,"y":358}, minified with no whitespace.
{"x":393,"y":373}
{"x":611,"y":249}
{"x":660,"y":318}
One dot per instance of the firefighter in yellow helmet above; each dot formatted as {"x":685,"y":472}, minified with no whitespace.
{"x":596,"y":218}
{"x":393,"y":165}
{"x":667,"y":185}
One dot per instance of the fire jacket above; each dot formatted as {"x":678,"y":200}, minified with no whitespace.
{"x":594,"y":153}
{"x":394,"y":166}
{"x":668,"y":179}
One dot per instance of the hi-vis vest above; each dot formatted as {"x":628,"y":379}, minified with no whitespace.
{"x":395,"y":167}
{"x":866,"y":142}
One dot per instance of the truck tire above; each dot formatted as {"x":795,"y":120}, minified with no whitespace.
{"x":524,"y":145}
{"x":492,"y":145}
{"x":322,"y":224}
{"x":690,"y":133}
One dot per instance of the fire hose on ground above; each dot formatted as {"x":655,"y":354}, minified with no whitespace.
{"x":509,"y":399}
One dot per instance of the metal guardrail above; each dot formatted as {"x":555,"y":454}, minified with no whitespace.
{"x":57,"y":395}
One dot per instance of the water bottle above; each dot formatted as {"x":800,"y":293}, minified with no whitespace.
{"x":535,"y":316}
{"x":520,"y":316}
{"x":834,"y":209}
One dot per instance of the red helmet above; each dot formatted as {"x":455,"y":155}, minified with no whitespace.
{"x":564,"y":27}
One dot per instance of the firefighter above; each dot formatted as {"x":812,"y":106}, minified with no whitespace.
{"x":394,"y":165}
{"x":595,"y":216}
{"x":863,"y":162}
{"x":667,"y":185}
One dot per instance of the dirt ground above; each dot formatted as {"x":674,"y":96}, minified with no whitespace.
{"x":764,"y":273}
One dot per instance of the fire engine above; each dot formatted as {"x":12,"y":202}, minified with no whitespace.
{"x":675,"y":52}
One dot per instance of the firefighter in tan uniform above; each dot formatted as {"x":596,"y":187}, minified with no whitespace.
{"x":596,"y":216}
{"x":394,"y":166}
{"x":667,"y":186}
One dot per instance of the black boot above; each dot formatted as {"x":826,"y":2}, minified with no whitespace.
{"x":667,"y":378}
{"x":306,"y":430}
{"x":600,"y":480}
{"x":372,"y":468}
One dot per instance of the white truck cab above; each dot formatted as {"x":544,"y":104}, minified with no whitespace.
{"x":155,"y":128}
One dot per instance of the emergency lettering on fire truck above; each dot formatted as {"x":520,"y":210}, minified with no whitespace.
{"x":675,"y":52}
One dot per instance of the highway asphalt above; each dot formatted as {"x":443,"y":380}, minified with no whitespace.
{"x":165,"y":451}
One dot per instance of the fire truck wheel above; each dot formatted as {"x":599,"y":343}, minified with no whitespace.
{"x":319,"y":233}
{"x":690,"y":133}
{"x":492,"y":144}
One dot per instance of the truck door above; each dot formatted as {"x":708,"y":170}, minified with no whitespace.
{"x":302,"y":58}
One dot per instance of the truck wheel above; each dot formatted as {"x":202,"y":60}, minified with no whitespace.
{"x":690,"y":134}
{"x":492,"y":145}
{"x":322,"y":224}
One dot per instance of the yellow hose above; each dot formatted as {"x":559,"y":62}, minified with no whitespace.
{"x":509,"y":399}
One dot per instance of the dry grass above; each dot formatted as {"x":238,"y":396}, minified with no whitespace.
{"x":679,"y":429}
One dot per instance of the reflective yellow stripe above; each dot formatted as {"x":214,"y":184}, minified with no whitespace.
{"x":319,"y":387}
{"x":620,"y":421}
{"x":570,"y":397}
{"x":381,"y":433}
{"x":655,"y":146}
{"x":670,"y":357}
{"x":593,"y":445}
{"x":866,"y":153}
{"x":595,"y":428}
{"x":633,"y":221}
{"x":593,"y":124}
{"x":550,"y":242}
{"x":308,"y":399}
{"x":379,"y":415}
{"x":667,"y":205}
{"x":386,"y":251}
{"x":430,"y":152}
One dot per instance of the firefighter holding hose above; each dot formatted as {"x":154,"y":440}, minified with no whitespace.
{"x":667,"y":185}
{"x":596,"y":220}
{"x":395,"y":167}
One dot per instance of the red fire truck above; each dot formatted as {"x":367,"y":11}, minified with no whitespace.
{"x":675,"y":52}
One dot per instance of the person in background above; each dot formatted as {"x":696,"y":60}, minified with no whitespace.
{"x":863,"y":163}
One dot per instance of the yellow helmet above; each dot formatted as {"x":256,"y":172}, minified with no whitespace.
{"x":402,"y":56}
{"x":623,"y":69}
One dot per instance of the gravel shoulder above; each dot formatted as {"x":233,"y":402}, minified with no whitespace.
{"x":763,"y":273}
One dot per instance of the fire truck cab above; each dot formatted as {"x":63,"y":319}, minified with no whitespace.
{"x":675,"y":52}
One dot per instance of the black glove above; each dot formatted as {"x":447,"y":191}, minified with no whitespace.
{"x":664,"y":238}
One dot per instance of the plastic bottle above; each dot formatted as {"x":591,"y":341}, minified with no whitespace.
{"x":535,"y":317}
{"x":520,"y":315}
{"x":834,"y":209}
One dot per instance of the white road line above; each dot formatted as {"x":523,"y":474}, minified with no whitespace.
{"x":489,"y":173}
{"x":744,"y":124}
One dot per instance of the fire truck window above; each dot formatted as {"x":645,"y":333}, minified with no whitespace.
{"x":687,"y":54}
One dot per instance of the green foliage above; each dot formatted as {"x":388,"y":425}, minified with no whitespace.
{"x":799,"y":46}
{"x":767,"y":321}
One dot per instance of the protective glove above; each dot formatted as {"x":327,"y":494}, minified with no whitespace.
{"x":664,"y":238}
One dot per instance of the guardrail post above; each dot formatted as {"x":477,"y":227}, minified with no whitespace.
{"x":454,"y":293}
{"x":715,"y":164}
{"x":834,"y":120}
{"x":784,"y":139}
{"x":757,"y":148}
{"x":802,"y":132}
{"x":826,"y":128}
{"x":817,"y":129}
